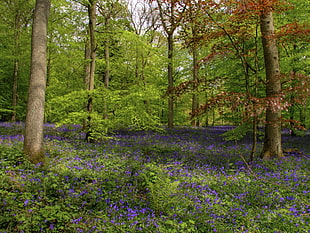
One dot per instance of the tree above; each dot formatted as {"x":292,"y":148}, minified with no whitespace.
{"x":191,"y":31}
{"x":21,"y":18}
{"x":15,"y":17}
{"x":110,"y":12}
{"x":237,"y":20}
{"x":170,"y":15}
{"x":33,"y":141}
{"x":90,"y":80}
{"x":293,"y":45}
{"x":272,"y":142}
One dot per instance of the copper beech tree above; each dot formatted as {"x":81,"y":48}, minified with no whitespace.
{"x":272,"y":142}
{"x":239,"y":17}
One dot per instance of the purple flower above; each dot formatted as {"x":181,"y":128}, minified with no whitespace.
{"x":76,"y":221}
{"x":26,"y":202}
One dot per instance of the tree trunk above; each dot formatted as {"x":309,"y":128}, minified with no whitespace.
{"x":170,"y":82}
{"x":86,"y":72}
{"x":107,"y":62}
{"x":14,"y":89}
{"x":170,"y":21}
{"x":33,"y":142}
{"x":195,"y":79}
{"x":87,"y":62}
{"x":206,"y":112}
{"x":302,"y":115}
{"x":17,"y":30}
{"x":107,"y":66}
{"x":292,"y":115}
{"x":272,"y":143}
{"x":92,"y":25}
{"x":106,"y":75}
{"x":255,"y":94}
{"x":91,"y":81}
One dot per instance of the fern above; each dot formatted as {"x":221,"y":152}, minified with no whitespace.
{"x":160,"y":188}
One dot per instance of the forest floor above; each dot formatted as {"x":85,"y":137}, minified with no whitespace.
{"x":178,"y":181}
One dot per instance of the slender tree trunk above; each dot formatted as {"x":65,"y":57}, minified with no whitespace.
{"x":170,"y":21}
{"x":87,"y":62}
{"x":86,"y":72}
{"x":302,"y":115}
{"x":292,"y":99}
{"x":206,"y":112}
{"x":107,"y":62}
{"x":17,"y":30}
{"x":91,"y":81}
{"x":195,"y":79}
{"x":137,"y":62}
{"x":170,"y":82}
{"x":255,"y":118}
{"x":33,"y":142}
{"x":14,"y":89}
{"x":272,"y":144}
{"x":107,"y":66}
{"x":106,"y":76}
{"x":92,"y":25}
{"x":292,"y":115}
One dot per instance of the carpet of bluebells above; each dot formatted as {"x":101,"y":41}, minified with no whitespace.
{"x":177,"y":181}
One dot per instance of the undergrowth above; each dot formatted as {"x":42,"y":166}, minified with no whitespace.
{"x":155,"y":188}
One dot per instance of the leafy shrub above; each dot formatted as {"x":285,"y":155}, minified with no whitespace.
{"x":11,"y":156}
{"x":130,"y":110}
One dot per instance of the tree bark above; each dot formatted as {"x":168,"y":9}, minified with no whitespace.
{"x":92,"y":25}
{"x":17,"y":31}
{"x":33,"y":141}
{"x":87,"y":62}
{"x":107,"y":62}
{"x":195,"y":102}
{"x":272,"y":143}
{"x":255,"y":117}
{"x":14,"y":89}
{"x":170,"y":82}
{"x":170,"y":22}
{"x":106,"y":73}
{"x":91,"y":81}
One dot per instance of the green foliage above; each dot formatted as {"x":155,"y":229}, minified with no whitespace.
{"x":11,"y":156}
{"x":238,"y":132}
{"x":40,"y":205}
{"x":68,"y":106}
{"x":15,"y":40}
{"x":160,"y":188}
{"x":135,"y":110}
{"x":173,"y":226}
{"x":4,"y":112}
{"x":137,"y":62}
